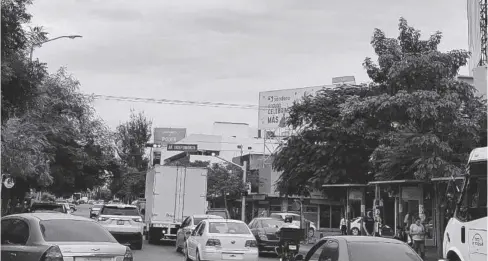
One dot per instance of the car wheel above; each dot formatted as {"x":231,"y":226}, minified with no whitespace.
{"x":178,"y":248}
{"x":355,"y":231}
{"x":138,"y":245}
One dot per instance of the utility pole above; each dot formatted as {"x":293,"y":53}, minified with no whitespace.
{"x":243,"y":207}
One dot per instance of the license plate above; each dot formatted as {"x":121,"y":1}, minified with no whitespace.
{"x":292,"y":247}
{"x":120,"y":222}
{"x":232,"y":256}
{"x":92,"y":259}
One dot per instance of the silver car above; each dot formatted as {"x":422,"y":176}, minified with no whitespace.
{"x":57,"y":236}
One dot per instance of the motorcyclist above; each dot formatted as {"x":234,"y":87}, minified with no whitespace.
{"x":287,"y":224}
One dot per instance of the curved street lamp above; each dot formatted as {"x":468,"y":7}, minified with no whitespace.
{"x":52,"y":39}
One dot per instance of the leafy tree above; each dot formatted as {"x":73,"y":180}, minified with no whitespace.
{"x":131,"y":138}
{"x":416,"y":120}
{"x":225,"y":181}
{"x":429,"y":121}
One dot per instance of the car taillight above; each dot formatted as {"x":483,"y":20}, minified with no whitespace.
{"x":52,"y":254}
{"x":128,"y":255}
{"x":137,"y":219}
{"x":213,"y":242}
{"x":102,"y":218}
{"x":251,"y":243}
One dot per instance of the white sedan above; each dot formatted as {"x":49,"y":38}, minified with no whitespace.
{"x":217,"y":239}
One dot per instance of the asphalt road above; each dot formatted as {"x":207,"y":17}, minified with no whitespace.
{"x":161,"y":252}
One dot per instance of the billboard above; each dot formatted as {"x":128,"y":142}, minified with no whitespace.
{"x":163,"y":136}
{"x":274,"y":105}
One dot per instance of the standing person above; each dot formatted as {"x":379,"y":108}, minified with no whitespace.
{"x":369,"y":224}
{"x":343,"y":225}
{"x":417,"y":232}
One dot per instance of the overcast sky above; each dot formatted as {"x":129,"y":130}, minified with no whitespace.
{"x":223,"y":50}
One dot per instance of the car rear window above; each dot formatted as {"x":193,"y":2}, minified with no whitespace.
{"x":68,"y":230}
{"x":373,"y":251}
{"x":120,"y":211}
{"x":228,"y":228}
{"x":97,"y":206}
{"x":271,"y":223}
{"x":47,"y":207}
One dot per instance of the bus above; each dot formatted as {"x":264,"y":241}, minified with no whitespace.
{"x":465,"y":234}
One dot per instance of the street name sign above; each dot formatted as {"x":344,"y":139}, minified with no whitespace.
{"x":183,"y":147}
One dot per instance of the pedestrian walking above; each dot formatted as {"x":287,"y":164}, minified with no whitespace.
{"x":417,"y":232}
{"x":343,"y":225}
{"x":369,"y":224}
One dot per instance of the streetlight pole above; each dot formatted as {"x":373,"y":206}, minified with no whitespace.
{"x":244,"y":174}
{"x":50,"y":40}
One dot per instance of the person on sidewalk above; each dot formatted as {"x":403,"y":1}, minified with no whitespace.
{"x":343,"y":225}
{"x":417,"y":231}
{"x":369,"y":224}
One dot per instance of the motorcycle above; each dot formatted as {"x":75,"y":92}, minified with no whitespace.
{"x":289,"y":244}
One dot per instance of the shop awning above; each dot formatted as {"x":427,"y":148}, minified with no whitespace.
{"x":401,"y":181}
{"x":343,"y":185}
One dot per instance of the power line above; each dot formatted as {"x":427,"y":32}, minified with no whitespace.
{"x":173,"y":102}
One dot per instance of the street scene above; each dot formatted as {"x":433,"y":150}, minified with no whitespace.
{"x":244,"y":130}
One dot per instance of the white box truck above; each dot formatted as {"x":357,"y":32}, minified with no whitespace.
{"x":172,"y":193}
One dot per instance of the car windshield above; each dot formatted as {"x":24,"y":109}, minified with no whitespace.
{"x":198,"y":220}
{"x":228,"y":228}
{"x":272,"y":223}
{"x":373,"y":251}
{"x":120,"y":211}
{"x":47,"y":207}
{"x":67,"y":230}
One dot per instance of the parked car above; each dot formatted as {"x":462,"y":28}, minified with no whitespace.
{"x":217,"y":239}
{"x":296,"y":221}
{"x":219,"y":212}
{"x":356,"y":228}
{"x":124,"y":222}
{"x":352,"y":248}
{"x":187,"y":227}
{"x":43,"y":206}
{"x":56,"y":236}
{"x":95,"y":210}
{"x":264,"y":230}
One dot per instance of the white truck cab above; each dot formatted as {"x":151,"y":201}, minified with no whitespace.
{"x":465,"y":237}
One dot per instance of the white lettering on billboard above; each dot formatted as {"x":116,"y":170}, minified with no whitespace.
{"x":275,"y":105}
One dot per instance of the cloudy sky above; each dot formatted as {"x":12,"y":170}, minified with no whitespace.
{"x":222,"y":50}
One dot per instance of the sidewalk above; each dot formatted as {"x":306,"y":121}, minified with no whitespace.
{"x":430,"y":252}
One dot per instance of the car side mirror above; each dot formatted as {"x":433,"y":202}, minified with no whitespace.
{"x":298,"y":257}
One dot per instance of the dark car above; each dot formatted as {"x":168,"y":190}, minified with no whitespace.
{"x":264,"y":230}
{"x":48,"y":206}
{"x":361,"y":248}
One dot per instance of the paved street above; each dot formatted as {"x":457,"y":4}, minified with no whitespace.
{"x":162,"y":252}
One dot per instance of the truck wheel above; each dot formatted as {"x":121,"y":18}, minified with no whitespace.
{"x":138,"y":245}
{"x":153,"y":238}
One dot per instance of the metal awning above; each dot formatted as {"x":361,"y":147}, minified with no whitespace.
{"x":343,"y":185}
{"x":447,"y":178}
{"x":401,"y":181}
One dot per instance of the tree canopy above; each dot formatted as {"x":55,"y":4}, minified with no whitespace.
{"x":415,"y":120}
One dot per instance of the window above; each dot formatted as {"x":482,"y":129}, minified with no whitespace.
{"x":15,"y":231}
{"x":373,"y":251}
{"x":252,"y":224}
{"x":473,"y":201}
{"x":196,"y":229}
{"x":232,"y":228}
{"x":186,"y":222}
{"x":65,"y":230}
{"x":201,"y":229}
{"x":271,"y":223}
{"x":119,"y":211}
{"x":326,"y":250}
{"x":277,"y":216}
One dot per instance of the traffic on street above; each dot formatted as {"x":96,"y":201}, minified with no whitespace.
{"x":244,"y":130}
